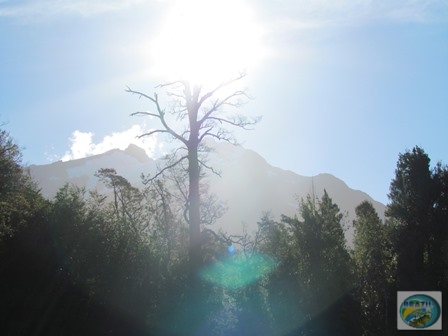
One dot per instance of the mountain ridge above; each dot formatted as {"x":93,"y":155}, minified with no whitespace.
{"x":248,"y":184}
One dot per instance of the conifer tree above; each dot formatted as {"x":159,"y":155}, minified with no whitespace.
{"x":374,"y":270}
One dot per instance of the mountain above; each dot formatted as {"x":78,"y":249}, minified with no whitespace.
{"x":248,"y":184}
{"x":130,"y":163}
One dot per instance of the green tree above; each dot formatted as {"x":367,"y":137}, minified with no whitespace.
{"x":25,"y":245}
{"x":19,"y":197}
{"x":115,"y":268}
{"x":127,"y":205}
{"x":438,"y":262}
{"x":323,"y":256}
{"x":315,"y":268}
{"x":374,"y":270}
{"x":283,"y":288}
{"x":418,"y":218}
{"x":10,"y":164}
{"x":417,"y":204}
{"x":152,"y":219}
{"x":87,"y":264}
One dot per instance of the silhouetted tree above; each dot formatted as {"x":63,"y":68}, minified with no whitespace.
{"x":284,"y":289}
{"x":201,"y":115}
{"x":438,"y":260}
{"x":418,"y":217}
{"x":19,"y":196}
{"x":314,"y":275}
{"x":415,"y":205}
{"x":374,"y":271}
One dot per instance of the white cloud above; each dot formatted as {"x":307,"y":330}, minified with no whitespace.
{"x":48,"y":8}
{"x":306,"y":12}
{"x":299,"y":15}
{"x":82,"y":144}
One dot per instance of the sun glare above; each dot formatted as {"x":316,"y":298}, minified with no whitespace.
{"x":207,"y":41}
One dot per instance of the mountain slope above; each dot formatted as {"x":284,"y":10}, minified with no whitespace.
{"x":248,"y":184}
{"x":251,"y":186}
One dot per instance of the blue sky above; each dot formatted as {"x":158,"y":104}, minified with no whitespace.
{"x":343,"y":88}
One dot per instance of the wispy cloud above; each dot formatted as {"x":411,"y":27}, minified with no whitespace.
{"x":47,"y":8}
{"x":306,"y":15}
{"x":82,"y":144}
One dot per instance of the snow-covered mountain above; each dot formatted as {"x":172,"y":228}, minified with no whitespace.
{"x":248,"y":184}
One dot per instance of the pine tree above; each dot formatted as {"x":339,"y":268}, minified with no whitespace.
{"x":416,"y":204}
{"x":317,"y":267}
{"x":374,"y":270}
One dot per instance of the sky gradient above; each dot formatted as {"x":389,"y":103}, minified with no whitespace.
{"x":343,"y":87}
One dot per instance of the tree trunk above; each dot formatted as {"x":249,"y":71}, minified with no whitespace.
{"x":194,"y":213}
{"x":195,"y":312}
{"x":195,"y":253}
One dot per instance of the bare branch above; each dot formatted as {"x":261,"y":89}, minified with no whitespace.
{"x":161,"y":114}
{"x":141,"y":113}
{"x":161,"y":86}
{"x":176,"y":95}
{"x":151,"y":133}
{"x":209,"y":168}
{"x":220,"y":86}
{"x":238,"y":122}
{"x":141,"y":94}
{"x":180,"y":184}
{"x":219,"y":103}
{"x":186,"y":213}
{"x":185,"y":133}
{"x":221,"y":135}
{"x":207,"y":132}
{"x":215,"y":235}
{"x":174,"y":154}
{"x":165,"y":168}
{"x":228,"y":239}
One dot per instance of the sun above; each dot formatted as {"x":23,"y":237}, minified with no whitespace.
{"x":207,"y":41}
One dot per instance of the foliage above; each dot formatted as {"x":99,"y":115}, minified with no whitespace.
{"x":314,"y":269}
{"x":374,"y":270}
{"x":117,"y":263}
{"x":19,"y":198}
{"x":418,"y":204}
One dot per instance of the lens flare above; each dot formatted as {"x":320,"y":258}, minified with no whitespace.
{"x":238,"y":270}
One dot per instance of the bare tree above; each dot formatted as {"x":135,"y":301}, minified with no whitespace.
{"x":202,"y":114}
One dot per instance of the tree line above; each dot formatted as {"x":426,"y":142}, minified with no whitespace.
{"x":86,"y":263}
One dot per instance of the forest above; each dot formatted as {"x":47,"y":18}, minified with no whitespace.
{"x":86,"y":263}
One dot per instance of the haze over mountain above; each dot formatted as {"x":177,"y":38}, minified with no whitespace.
{"x":248,"y":184}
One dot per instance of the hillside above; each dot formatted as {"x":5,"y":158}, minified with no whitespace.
{"x":248,"y":184}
